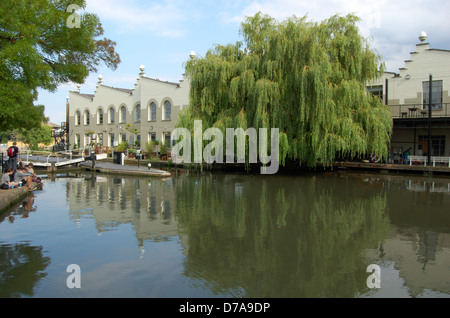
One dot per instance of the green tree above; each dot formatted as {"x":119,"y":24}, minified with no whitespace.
{"x":306,"y":78}
{"x":149,"y":148}
{"x":35,"y":136}
{"x":40,"y":49}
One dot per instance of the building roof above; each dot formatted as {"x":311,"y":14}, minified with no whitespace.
{"x":125,"y":90}
{"x":90,"y":96}
{"x":158,"y":80}
{"x":53,"y":125}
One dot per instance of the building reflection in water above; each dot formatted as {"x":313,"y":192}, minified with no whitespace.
{"x":113,"y":201}
{"x":282,"y":236}
{"x":419,"y":242}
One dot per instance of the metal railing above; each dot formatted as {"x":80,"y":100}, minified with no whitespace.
{"x":417,"y":111}
{"x":424,"y":159}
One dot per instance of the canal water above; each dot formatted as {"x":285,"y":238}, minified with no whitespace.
{"x":229,"y":235}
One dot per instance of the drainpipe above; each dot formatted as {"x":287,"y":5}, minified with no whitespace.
{"x":387,"y":91}
{"x":429,"y":118}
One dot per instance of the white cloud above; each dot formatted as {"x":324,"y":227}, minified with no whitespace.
{"x":394,"y":26}
{"x":163,"y":18}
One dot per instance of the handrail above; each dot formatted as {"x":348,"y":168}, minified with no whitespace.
{"x":433,"y":159}
{"x":413,"y":111}
{"x":38,"y":151}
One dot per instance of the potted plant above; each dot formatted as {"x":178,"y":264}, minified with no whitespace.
{"x":163,"y":151}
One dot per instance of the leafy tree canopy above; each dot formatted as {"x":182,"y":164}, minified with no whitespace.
{"x":306,"y":78}
{"x":35,"y":136}
{"x":40,"y":49}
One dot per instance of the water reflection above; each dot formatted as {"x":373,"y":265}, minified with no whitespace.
{"x":113,"y":201}
{"x":280,"y":237}
{"x":418,"y":246}
{"x":20,"y":210}
{"x":283,"y":236}
{"x":22,"y":266}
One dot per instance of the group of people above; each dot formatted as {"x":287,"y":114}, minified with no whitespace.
{"x":23,"y":176}
{"x":18,"y":175}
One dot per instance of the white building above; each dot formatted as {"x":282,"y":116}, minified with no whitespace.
{"x":152,"y":107}
{"x":112,"y":114}
{"x":407,"y":93}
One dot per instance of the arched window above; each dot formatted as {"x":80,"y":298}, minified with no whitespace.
{"x":137,"y":113}
{"x":123,"y":114}
{"x":152,"y":112}
{"x":111,"y":115}
{"x":100,"y":116}
{"x":167,"y":111}
{"x":77,"y":118}
{"x":87,"y":119}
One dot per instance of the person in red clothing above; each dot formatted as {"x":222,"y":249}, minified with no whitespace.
{"x":13,"y":153}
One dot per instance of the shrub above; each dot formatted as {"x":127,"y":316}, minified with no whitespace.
{"x":123,"y":146}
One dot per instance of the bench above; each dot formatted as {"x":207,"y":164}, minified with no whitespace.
{"x":418,"y":159}
{"x":440,"y":160}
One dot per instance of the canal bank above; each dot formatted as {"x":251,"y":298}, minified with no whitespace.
{"x":111,"y":168}
{"x":296,"y":168}
{"x":392,"y":168}
{"x":12,"y":196}
{"x":158,"y":168}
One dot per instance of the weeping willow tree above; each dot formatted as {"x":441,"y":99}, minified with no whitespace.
{"x":280,"y":237}
{"x":306,"y":78}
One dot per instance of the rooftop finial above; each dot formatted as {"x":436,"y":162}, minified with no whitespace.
{"x":142,"y":69}
{"x":423,"y":36}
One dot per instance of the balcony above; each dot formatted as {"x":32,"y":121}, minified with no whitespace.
{"x":419,"y":111}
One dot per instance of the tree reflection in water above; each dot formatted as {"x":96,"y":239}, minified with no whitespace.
{"x":21,"y":268}
{"x":263,"y":236}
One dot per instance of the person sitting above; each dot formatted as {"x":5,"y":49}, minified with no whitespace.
{"x":30,"y":169}
{"x":6,"y":180}
{"x":23,"y":177}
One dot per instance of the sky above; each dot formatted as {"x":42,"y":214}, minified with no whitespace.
{"x":161,"y":34}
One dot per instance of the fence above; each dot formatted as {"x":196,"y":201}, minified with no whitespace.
{"x":417,"y":111}
{"x":424,"y":159}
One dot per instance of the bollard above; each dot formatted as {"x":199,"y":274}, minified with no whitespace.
{"x":93,"y":159}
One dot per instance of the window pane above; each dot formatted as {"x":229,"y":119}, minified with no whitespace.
{"x":137,"y":117}
{"x":123,"y":114}
{"x":376,"y":91}
{"x":153,"y":112}
{"x":168,"y":110}
{"x":111,"y":115}
{"x":436,"y":94}
{"x":100,"y":116}
{"x":167,"y":140}
{"x":437,"y":145}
